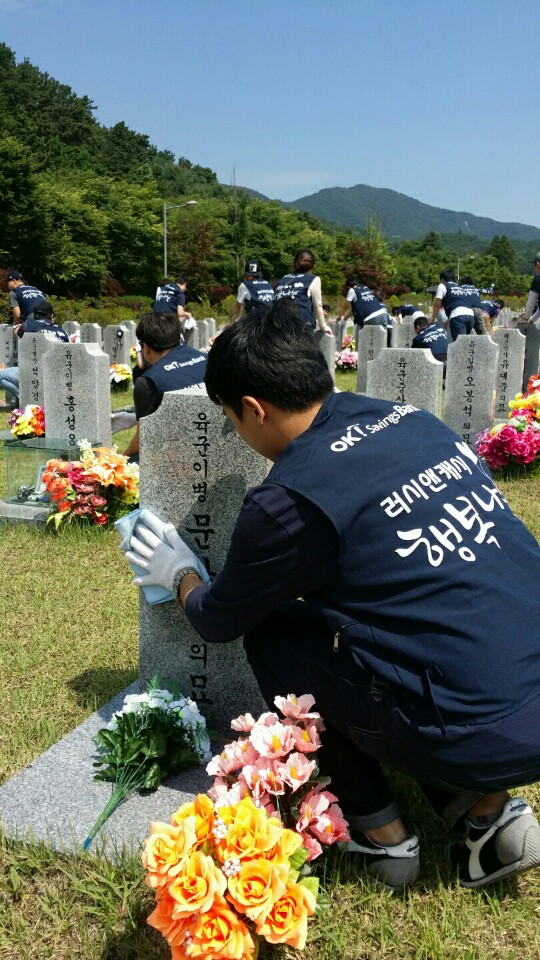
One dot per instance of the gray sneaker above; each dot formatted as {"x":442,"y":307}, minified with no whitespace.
{"x":393,"y":867}
{"x":510,"y":845}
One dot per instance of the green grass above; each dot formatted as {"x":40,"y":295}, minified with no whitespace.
{"x":70,"y":641}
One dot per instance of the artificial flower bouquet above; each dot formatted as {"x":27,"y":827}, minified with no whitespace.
{"x":120,"y":376}
{"x":225,"y":874}
{"x":133,"y":354}
{"x":155,"y":734}
{"x":29,"y":422}
{"x":97,"y":489}
{"x":347,"y":342}
{"x":515,"y":444}
{"x":347,"y":358}
{"x":274,"y":763}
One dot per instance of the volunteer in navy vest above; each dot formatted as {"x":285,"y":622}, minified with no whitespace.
{"x":468,"y":286}
{"x":253,"y":291}
{"x":456,"y":303}
{"x":172,"y":299}
{"x":43,"y":320}
{"x":304,"y":287}
{"x":414,"y":660}
{"x":491,"y":310}
{"x":23,"y":296}
{"x":172,"y":365}
{"x":430,"y":336}
{"x":364,"y":306}
{"x":532,"y":308}
{"x":408,"y":310}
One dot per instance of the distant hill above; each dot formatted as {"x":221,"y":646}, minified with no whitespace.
{"x":401,"y":217}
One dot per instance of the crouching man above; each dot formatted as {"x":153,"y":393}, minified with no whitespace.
{"x":392,"y":533}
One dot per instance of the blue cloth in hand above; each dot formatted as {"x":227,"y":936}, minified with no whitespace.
{"x":126,"y":527}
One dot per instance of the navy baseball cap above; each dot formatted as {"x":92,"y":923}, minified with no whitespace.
{"x":14,"y":275}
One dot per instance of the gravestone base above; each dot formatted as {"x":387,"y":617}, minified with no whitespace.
{"x":23,"y":512}
{"x":55,"y":798}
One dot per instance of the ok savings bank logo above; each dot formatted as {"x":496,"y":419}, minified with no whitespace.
{"x":355,"y":433}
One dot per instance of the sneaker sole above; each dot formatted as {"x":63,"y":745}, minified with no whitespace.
{"x":529,"y":860}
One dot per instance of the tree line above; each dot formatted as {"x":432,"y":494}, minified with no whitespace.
{"x":81,"y":208}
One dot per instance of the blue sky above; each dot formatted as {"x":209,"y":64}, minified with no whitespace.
{"x":433,"y":98}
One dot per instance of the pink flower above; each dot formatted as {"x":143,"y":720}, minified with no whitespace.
{"x":273,"y":741}
{"x":312,"y":846}
{"x":323,"y":817}
{"x":296,"y":707}
{"x":296,"y":770}
{"x":264,"y":776}
{"x":306,"y":740}
{"x":233,"y":757}
{"x":243,"y":723}
{"x":228,"y":795}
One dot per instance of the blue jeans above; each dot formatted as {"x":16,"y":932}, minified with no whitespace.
{"x":461,"y":325}
{"x":9,"y":380}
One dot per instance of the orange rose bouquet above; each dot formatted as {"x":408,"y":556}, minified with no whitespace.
{"x":225,"y":875}
{"x":97,"y":489}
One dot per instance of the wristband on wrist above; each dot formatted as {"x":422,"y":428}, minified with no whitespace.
{"x":179,"y":576}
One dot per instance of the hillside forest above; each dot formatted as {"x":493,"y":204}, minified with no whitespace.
{"x":81,"y":214}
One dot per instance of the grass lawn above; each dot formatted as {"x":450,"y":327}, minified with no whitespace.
{"x":70,"y":641}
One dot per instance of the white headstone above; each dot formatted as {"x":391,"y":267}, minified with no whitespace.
{"x":327,"y":345}
{"x":470,"y":386}
{"x":204,"y":333}
{"x":403,"y":333}
{"x":91,"y":333}
{"x":131,"y":327}
{"x":509,"y":376}
{"x":532,"y":350}
{"x":116,"y":342}
{"x":72,"y":327}
{"x":371,"y":341}
{"x":194,"y":473}
{"x":408,"y":376}
{"x":32,"y":349}
{"x":77,"y":393}
{"x":192,"y":337}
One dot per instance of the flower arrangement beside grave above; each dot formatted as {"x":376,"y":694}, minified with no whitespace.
{"x":275,"y":764}
{"x":155,"y":734}
{"x":120,"y":375}
{"x":133,"y":354}
{"x":515,"y":444}
{"x":225,"y":875}
{"x":97,"y":489}
{"x":346,"y":359}
{"x":29,"y":422}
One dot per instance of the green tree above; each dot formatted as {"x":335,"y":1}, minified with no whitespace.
{"x":501,"y":248}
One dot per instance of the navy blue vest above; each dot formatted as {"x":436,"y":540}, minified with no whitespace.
{"x":260,"y":291}
{"x":423,"y":532}
{"x":455,"y":296}
{"x":365,"y":304}
{"x":295,"y":286}
{"x":490,"y":307}
{"x":181,"y":367}
{"x":407,"y":309}
{"x":435,"y":338}
{"x":169,"y":297}
{"x":28,"y":297}
{"x":473,"y":294}
{"x":37,"y":325}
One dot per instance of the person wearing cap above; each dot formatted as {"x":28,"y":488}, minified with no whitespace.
{"x":171,"y":365}
{"x":304,"y":288}
{"x":408,"y":310}
{"x":430,"y":336}
{"x":457,"y":303}
{"x":491,"y":310}
{"x":23,"y":297}
{"x":42,"y":320}
{"x":172,"y":299}
{"x":532,"y":308}
{"x":364,"y":306}
{"x":253,"y":291}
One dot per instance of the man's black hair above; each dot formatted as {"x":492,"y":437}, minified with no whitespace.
{"x":43,"y":309}
{"x":500,"y":303}
{"x":468,"y":280}
{"x":421,"y":322}
{"x":159,"y":331}
{"x":181,"y":280}
{"x":272,"y":355}
{"x":447,"y":275}
{"x":351,"y":282}
{"x":304,"y":252}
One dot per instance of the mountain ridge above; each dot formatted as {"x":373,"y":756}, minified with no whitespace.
{"x":400,"y":216}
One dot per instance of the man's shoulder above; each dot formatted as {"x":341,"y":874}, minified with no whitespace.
{"x":535,"y":285}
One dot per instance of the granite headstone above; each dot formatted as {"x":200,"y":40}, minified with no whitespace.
{"x":32,"y":349}
{"x":532,"y":350}
{"x":116,"y":342}
{"x":77,"y":393}
{"x":194,"y":473}
{"x":203,"y":330}
{"x":408,"y":376}
{"x":91,"y":333}
{"x":72,"y":328}
{"x":403,"y":333}
{"x":470,"y":386}
{"x":509,"y":376}
{"x":371,"y":341}
{"x":192,"y":337}
{"x":327,"y":345}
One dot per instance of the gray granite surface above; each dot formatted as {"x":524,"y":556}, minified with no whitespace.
{"x":56,"y":799}
{"x":371,"y":340}
{"x":117,"y":343}
{"x":91,"y":333}
{"x":327,"y":345}
{"x":532,"y":350}
{"x":32,"y":349}
{"x":470,"y":386}
{"x":194,"y":473}
{"x":403,"y":333}
{"x":71,"y":327}
{"x":407,"y":376}
{"x":509,"y":374}
{"x":77,"y":393}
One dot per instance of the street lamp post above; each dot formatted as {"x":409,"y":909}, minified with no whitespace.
{"x":470,"y":256}
{"x":174,"y":206}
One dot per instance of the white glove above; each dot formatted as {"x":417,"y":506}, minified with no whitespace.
{"x":162,"y":557}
